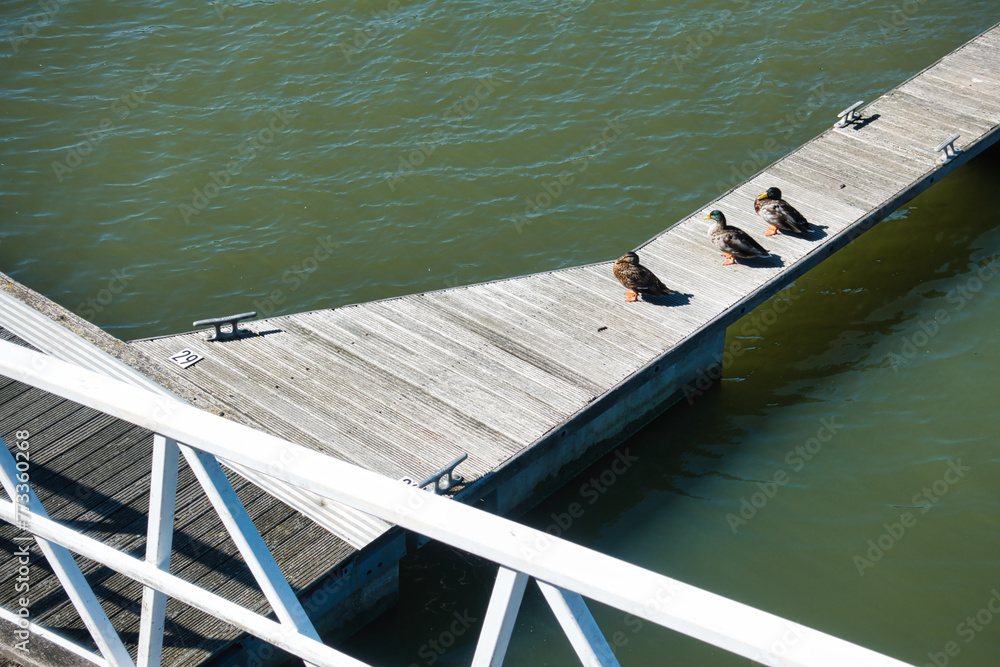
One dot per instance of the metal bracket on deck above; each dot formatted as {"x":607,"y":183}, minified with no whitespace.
{"x":849,"y":115}
{"x":447,"y":472}
{"x":233,"y":320}
{"x":948,"y":149}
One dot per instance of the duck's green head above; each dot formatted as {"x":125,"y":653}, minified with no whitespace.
{"x":772,"y":193}
{"x":718,"y":216}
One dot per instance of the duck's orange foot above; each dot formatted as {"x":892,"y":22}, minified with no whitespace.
{"x":771,"y":231}
{"x":728,"y":260}
{"x":631,"y":296}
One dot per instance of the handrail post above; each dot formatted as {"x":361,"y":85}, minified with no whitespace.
{"x":159,"y":540}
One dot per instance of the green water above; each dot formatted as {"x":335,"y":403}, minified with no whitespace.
{"x":162,"y":162}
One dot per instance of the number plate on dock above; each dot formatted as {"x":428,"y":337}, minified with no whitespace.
{"x":186,"y":358}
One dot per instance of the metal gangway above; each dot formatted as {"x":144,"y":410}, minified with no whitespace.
{"x":565,"y":572}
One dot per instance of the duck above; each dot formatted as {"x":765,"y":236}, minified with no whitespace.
{"x":637,"y":279}
{"x":732,"y":241}
{"x":779,"y":214}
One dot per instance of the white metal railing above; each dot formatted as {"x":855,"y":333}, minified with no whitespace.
{"x":565,"y":572}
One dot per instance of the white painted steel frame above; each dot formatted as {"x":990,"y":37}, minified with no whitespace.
{"x":725,"y":623}
{"x":586,"y":638}
{"x":62,"y":564}
{"x":219,"y":491}
{"x":508,"y":591}
{"x":37,"y":329}
{"x":149,"y":575}
{"x":251,"y":545}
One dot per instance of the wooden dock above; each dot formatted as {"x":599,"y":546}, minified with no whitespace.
{"x":532,"y":377}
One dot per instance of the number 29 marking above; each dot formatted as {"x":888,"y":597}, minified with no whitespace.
{"x":186,"y":358}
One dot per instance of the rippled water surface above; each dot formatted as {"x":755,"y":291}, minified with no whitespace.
{"x":162,"y":162}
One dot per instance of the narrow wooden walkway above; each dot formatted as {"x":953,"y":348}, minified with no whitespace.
{"x":499,"y":370}
{"x":92,"y":471}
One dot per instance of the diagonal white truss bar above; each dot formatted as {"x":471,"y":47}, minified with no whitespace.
{"x":62,"y":564}
{"x":580,"y":627}
{"x":251,"y":545}
{"x":494,"y":638}
{"x":147,"y":574}
{"x":159,"y":541}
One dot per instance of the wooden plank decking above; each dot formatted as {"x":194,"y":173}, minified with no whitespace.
{"x":498,"y":370}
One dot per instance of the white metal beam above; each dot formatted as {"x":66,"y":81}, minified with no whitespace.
{"x":494,"y":638}
{"x":147,"y":574}
{"x":725,"y":623}
{"x":159,"y":541}
{"x":580,"y":627}
{"x":62,"y":564}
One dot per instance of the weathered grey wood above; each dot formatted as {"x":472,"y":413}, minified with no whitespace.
{"x":93,"y":471}
{"x":876,"y":149}
{"x":505,"y":337}
{"x":820,"y":181}
{"x":881,"y":179}
{"x":960,"y":100}
{"x":942,"y":117}
{"x":665,"y":320}
{"x":967,"y":85}
{"x":224,"y":370}
{"x":963,"y":75}
{"x":438,"y":382}
{"x":876,"y":157}
{"x":475,"y":350}
{"x":396,"y":397}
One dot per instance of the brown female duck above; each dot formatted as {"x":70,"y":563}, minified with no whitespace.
{"x":732,"y":241}
{"x":637,"y":279}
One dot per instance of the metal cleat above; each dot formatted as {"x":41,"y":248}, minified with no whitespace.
{"x":447,"y":472}
{"x":948,"y":150}
{"x":849,"y":115}
{"x":233,"y":320}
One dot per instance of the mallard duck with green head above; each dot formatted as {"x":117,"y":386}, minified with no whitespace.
{"x":779,"y":214}
{"x":637,"y":279}
{"x":732,"y":241}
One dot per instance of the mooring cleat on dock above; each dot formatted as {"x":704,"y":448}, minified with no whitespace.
{"x":449,"y":481}
{"x":233,"y":320}
{"x":850,"y":115}
{"x":947,"y":149}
